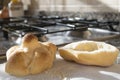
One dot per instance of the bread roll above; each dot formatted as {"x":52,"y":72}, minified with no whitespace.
{"x":90,"y":53}
{"x":30,"y":57}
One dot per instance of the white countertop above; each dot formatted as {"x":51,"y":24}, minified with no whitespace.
{"x":64,"y":70}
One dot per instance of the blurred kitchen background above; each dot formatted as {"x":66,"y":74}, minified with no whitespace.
{"x":76,"y":5}
{"x":82,"y":8}
{"x":69,"y":5}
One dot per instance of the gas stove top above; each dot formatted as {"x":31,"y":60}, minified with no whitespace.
{"x":58,"y":29}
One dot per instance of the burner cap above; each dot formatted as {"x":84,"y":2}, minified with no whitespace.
{"x":81,"y":34}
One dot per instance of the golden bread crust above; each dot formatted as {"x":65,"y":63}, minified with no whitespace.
{"x":31,"y":57}
{"x":90,"y":53}
{"x":29,"y":37}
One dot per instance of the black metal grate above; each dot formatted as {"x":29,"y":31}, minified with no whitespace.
{"x":41,"y":25}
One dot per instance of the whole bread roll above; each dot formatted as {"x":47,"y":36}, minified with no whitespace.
{"x":90,"y":53}
{"x":31,"y":57}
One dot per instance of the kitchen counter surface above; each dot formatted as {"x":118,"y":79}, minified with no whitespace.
{"x":64,"y":70}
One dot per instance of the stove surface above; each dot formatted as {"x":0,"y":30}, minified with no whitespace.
{"x":59,"y":29}
{"x":90,"y":34}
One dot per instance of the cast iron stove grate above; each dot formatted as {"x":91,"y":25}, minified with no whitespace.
{"x":42,"y":25}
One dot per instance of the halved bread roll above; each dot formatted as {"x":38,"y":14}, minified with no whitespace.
{"x":90,"y":53}
{"x":31,"y":57}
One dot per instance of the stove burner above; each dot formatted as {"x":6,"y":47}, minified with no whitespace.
{"x":80,"y":34}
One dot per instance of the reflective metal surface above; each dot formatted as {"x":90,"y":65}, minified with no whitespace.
{"x":90,"y":34}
